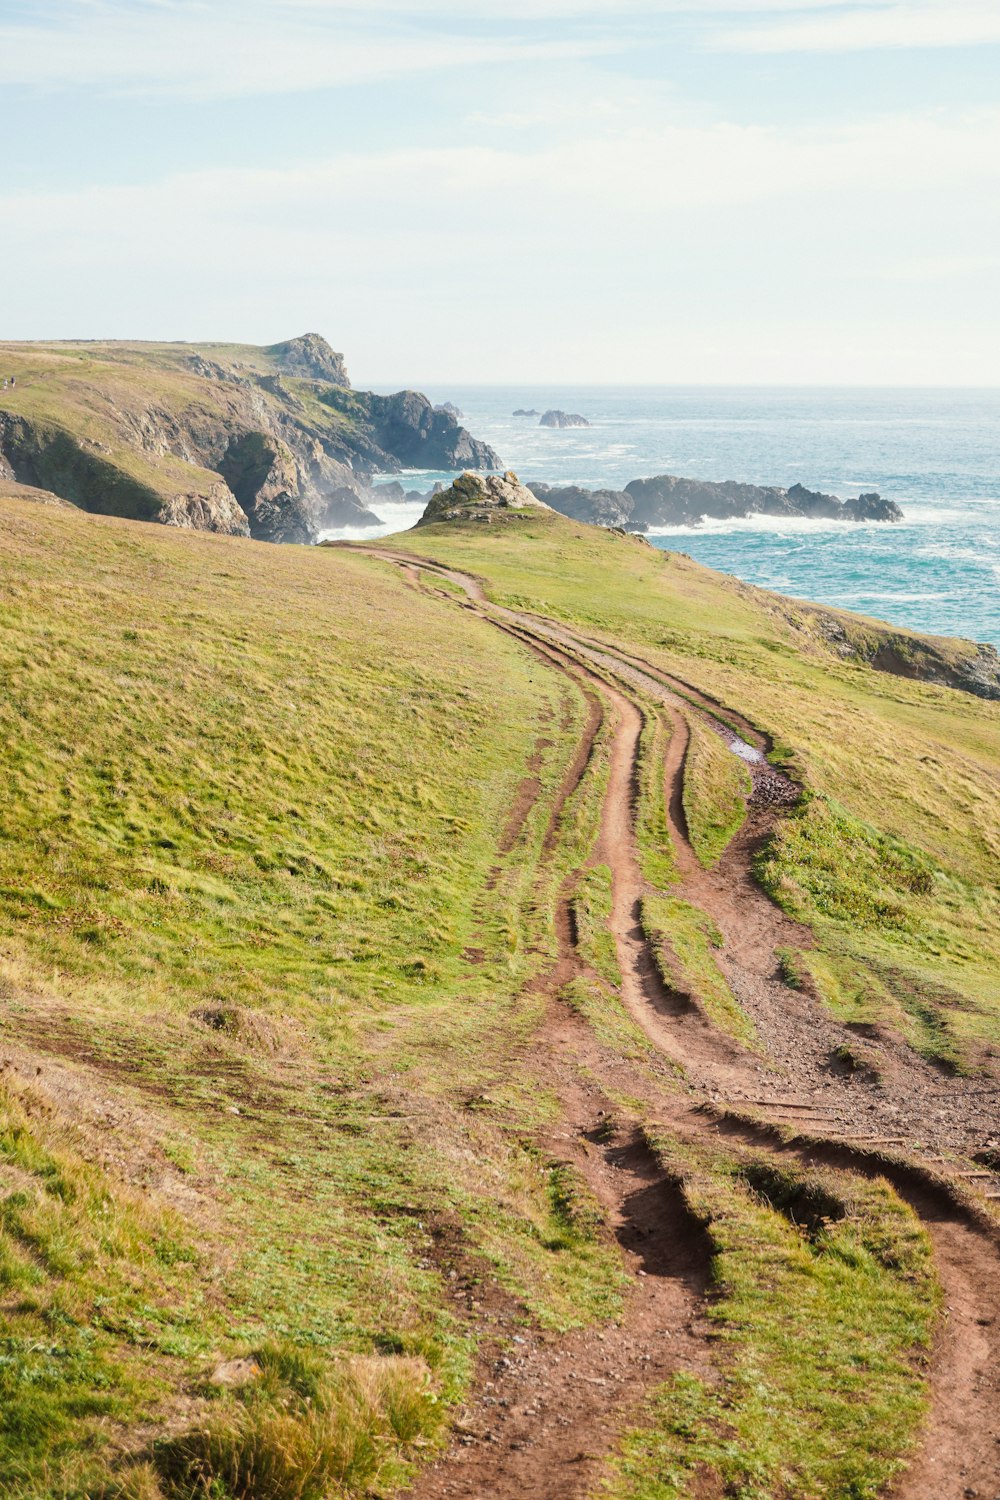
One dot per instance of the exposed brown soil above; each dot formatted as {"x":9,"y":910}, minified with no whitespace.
{"x":550,"y":1408}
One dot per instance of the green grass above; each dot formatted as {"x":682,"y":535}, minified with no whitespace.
{"x":268,"y":931}
{"x":99,"y":1296}
{"x":823,"y":1301}
{"x":916,"y":764}
{"x":906,"y":939}
{"x":684,"y":941}
{"x":592,"y":911}
{"x":655,"y":850}
{"x":716,"y":788}
{"x":250,"y":890}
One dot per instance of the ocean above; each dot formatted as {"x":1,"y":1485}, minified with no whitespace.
{"x":935,"y":452}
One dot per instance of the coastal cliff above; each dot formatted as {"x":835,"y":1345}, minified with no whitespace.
{"x":264,"y":442}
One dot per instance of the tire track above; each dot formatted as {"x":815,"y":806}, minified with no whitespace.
{"x":960,"y":1452}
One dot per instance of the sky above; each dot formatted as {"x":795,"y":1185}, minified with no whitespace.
{"x":566,"y":191}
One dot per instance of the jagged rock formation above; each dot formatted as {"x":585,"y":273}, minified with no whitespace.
{"x":263,"y":475}
{"x":451,"y":409}
{"x":49,"y":458}
{"x":270,"y":443}
{"x":667,"y":500}
{"x":525,"y":411}
{"x":478,"y":497}
{"x":416,"y":434}
{"x":562,"y":419}
{"x":600,"y":507}
{"x":311,"y":358}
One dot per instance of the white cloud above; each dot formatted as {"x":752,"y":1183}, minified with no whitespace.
{"x":246,"y":47}
{"x":596,"y":226}
{"x":258,"y":49}
{"x":631,"y":174}
{"x":920,"y":24}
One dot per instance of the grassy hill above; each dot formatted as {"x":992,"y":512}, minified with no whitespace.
{"x":285,"y":838}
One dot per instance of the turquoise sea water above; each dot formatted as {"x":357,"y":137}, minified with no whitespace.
{"x":936,"y":452}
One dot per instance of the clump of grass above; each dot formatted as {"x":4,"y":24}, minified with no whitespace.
{"x":591,"y":906}
{"x":546,"y":1240}
{"x":899,"y":940}
{"x":792,"y":970}
{"x":823,"y":861}
{"x":856,"y":1057}
{"x":684,"y":941}
{"x":716,"y":789}
{"x":656,"y":852}
{"x":611,"y":1022}
{"x":306,"y":1431}
{"x":98,"y":1288}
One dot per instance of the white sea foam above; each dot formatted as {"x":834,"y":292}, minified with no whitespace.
{"x":394,"y":516}
{"x":778,"y":526}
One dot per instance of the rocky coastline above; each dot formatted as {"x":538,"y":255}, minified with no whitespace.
{"x":668,"y":500}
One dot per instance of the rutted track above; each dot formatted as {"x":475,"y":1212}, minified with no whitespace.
{"x":961,"y":1452}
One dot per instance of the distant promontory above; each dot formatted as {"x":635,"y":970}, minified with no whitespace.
{"x":668,"y":500}
{"x":269,"y":442}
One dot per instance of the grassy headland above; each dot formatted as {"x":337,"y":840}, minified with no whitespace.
{"x":277,"y":884}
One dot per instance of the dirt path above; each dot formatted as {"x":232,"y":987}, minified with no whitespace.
{"x":548,"y":1408}
{"x":550,"y":1417}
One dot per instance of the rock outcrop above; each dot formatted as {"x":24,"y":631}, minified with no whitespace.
{"x":310,"y":358}
{"x":481,"y":497}
{"x":667,"y":500}
{"x":413,"y":433}
{"x":599,"y":507}
{"x":525,"y":411}
{"x":561,"y":419}
{"x":872,"y":507}
{"x":670,"y":501}
{"x":263,"y":475}
{"x":949,"y":662}
{"x":451,"y":409}
{"x":49,"y":458}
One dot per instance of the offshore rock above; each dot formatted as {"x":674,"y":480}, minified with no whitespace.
{"x":873,"y":507}
{"x":668,"y":500}
{"x":561,"y":419}
{"x":479,"y":497}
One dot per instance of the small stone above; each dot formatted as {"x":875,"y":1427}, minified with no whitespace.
{"x":235,"y":1372}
